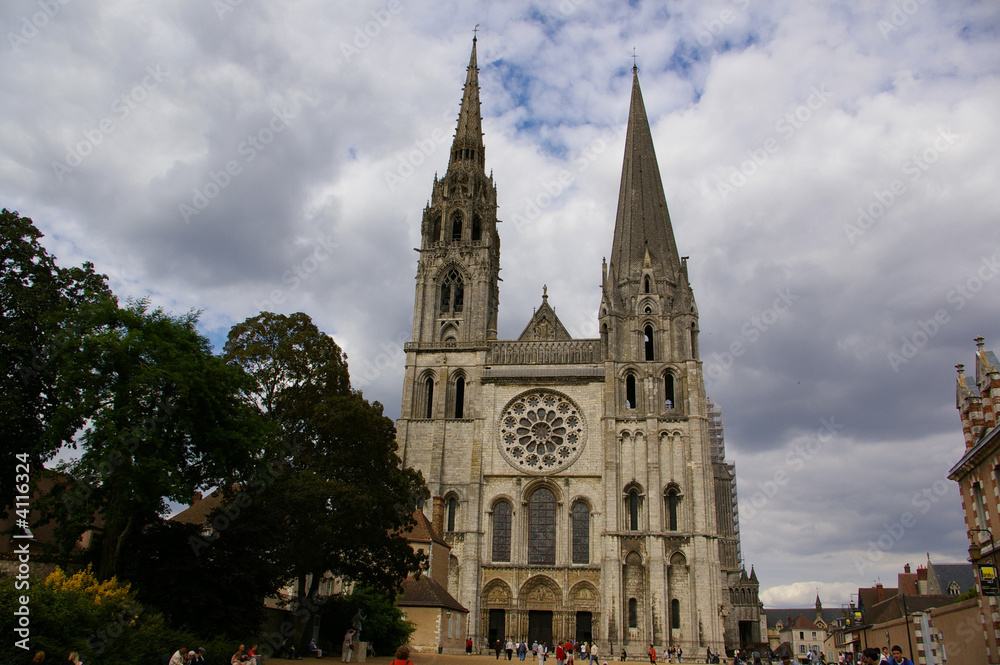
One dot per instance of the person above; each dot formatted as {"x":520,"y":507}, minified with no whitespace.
{"x":583,"y":652}
{"x":199,"y":656}
{"x":624,"y":655}
{"x":885,"y":655}
{"x":509,"y":648}
{"x":593,"y":653}
{"x":468,"y":646}
{"x":314,"y":649}
{"x":254,"y":655}
{"x":402,"y":656}
{"x":786,"y":658}
{"x":897,"y":656}
{"x":680,"y":654}
{"x":39,"y":657}
{"x":560,"y":654}
{"x":287,"y":649}
{"x":347,"y":648}
{"x":540,"y":651}
{"x":522,"y":649}
{"x":74,"y":658}
{"x":240,"y":656}
{"x":652,"y":654}
{"x":178,"y":657}
{"x":498,"y":648}
{"x":871,"y":656}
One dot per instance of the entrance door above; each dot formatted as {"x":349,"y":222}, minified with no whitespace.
{"x":747,"y":635}
{"x":583,"y":630}
{"x":497,"y":630}
{"x":540,"y":627}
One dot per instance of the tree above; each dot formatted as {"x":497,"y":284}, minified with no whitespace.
{"x":165,"y":417}
{"x":45,"y":311}
{"x":343,"y":496}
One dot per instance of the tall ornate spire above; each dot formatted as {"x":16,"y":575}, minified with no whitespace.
{"x":642,"y":223}
{"x":468,"y":143}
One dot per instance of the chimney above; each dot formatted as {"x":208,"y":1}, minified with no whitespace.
{"x":879,"y":592}
{"x":196,"y":497}
{"x":906,"y":569}
{"x":437,"y":520}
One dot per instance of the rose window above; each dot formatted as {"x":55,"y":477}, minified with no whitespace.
{"x":541,"y":432}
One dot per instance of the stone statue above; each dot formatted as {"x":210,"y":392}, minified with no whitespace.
{"x":356,"y":624}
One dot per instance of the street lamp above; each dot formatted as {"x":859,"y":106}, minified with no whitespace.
{"x":976,"y":551}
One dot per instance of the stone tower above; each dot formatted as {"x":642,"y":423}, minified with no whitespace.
{"x":573,"y":478}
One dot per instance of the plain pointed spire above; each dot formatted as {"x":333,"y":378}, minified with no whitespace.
{"x":642,"y":224}
{"x":468,"y":143}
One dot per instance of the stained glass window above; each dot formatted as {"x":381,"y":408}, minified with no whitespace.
{"x":542,"y":528}
{"x":581,"y":533}
{"x":501,"y":532}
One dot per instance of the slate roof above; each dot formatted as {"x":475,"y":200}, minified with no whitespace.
{"x":198,"y":512}
{"x":961,"y":573}
{"x":892,"y":608}
{"x":809,"y":613}
{"x":425,"y":592}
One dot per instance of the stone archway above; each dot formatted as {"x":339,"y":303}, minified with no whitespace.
{"x":542,"y":615}
{"x":497,"y":618}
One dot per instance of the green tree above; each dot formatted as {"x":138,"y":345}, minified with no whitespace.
{"x":343,"y":497}
{"x":45,"y":311}
{"x":165,"y":417}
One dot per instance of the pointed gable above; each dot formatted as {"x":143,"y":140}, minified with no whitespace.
{"x":544,"y":325}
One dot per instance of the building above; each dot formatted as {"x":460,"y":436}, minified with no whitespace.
{"x":978,"y":475}
{"x":574,"y":477}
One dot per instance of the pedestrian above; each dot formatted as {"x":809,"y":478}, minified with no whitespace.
{"x":897,"y":657}
{"x":560,"y":654}
{"x":593,"y":653}
{"x":522,"y":649}
{"x":509,"y":648}
{"x":402,"y":656}
{"x":872,"y":656}
{"x":498,"y":648}
{"x":347,"y":647}
{"x":468,"y":646}
{"x":540,"y":651}
{"x":624,"y":655}
{"x":652,"y":655}
{"x":74,"y":658}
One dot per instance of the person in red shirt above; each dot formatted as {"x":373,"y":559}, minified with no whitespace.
{"x":560,"y":654}
{"x":402,"y":656}
{"x":652,"y":654}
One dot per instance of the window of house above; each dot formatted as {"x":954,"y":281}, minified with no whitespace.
{"x":501,"y":532}
{"x":580,"y":516}
{"x":977,"y":495}
{"x":672,"y":500}
{"x":459,"y":397}
{"x":452,"y":511}
{"x":542,"y":527}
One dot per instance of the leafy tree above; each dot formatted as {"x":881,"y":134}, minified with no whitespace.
{"x":44,"y":312}
{"x":165,"y":418}
{"x":384,"y":626}
{"x":342,"y":496}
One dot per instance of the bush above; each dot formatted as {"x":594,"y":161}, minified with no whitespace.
{"x":102,"y":621}
{"x":383,"y":626}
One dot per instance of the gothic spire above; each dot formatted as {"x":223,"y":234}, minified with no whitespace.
{"x":643,"y":223}
{"x":468,"y":143}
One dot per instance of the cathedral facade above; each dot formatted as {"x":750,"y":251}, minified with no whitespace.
{"x":573,"y":478}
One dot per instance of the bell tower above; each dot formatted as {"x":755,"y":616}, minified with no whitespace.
{"x":459,"y":266}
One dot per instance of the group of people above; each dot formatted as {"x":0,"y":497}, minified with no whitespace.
{"x":73,"y":658}
{"x":563,"y":652}
{"x":671,"y":653}
{"x":185,"y":656}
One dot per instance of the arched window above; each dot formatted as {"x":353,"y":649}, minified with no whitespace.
{"x":580,"y":516}
{"x":436,"y":227}
{"x":668,"y":391}
{"x":452,"y":293}
{"x":429,"y":398}
{"x":630,"y":391}
{"x":459,"y":397}
{"x":452,"y":513}
{"x":477,"y":227}
{"x":675,"y":614}
{"x":456,"y":226}
{"x":633,"y":610}
{"x":542,"y":527}
{"x":647,"y":334}
{"x":501,"y":532}
{"x":672,"y":501}
{"x":645,"y":284}
{"x":633,"y":510}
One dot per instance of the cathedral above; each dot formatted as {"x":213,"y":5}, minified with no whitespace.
{"x":573,"y":479}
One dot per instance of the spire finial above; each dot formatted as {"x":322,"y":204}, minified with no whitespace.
{"x":980,"y":341}
{"x":475,"y":32}
{"x":545,"y":291}
{"x":634,"y":56}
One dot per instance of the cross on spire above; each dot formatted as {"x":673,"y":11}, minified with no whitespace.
{"x":475,"y":32}
{"x":634,"y":56}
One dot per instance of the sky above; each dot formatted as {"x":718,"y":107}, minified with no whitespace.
{"x":830,"y":167}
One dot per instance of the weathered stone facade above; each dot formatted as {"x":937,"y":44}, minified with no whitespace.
{"x":573,"y":478}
